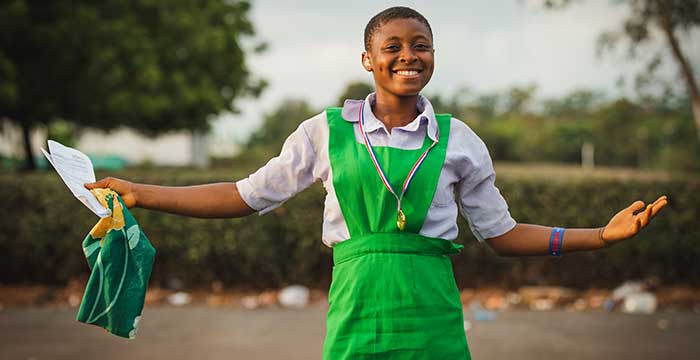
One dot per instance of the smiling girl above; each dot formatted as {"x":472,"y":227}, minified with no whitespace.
{"x":396,"y":176}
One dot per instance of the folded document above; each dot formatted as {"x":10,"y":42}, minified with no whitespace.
{"x":75,"y":168}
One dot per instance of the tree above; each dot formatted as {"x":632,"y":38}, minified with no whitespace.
{"x":150,"y":65}
{"x":576,"y":104}
{"x":670,"y":18}
{"x":355,"y":90}
{"x":277,"y":125}
{"x":519,"y":99}
{"x":486,"y":106}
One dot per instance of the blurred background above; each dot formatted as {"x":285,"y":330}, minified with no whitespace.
{"x":585,"y":106}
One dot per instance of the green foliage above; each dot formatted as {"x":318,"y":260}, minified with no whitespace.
{"x":355,"y":90}
{"x":670,"y":18}
{"x":617,"y":124}
{"x":559,"y":141}
{"x":515,"y":130}
{"x":149,"y":65}
{"x":653,"y":132}
{"x":267,"y":141}
{"x":576,"y":104}
{"x":62,"y":131}
{"x":645,"y":15}
{"x":656,"y":133}
{"x":43,"y":229}
{"x":519,"y":99}
{"x":504,"y":138}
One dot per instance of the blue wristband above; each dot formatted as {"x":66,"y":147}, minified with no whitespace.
{"x":555,"y":241}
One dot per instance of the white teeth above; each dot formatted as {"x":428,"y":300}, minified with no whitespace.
{"x":407,"y":72}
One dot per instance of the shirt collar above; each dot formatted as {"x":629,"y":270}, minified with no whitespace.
{"x":351,"y":110}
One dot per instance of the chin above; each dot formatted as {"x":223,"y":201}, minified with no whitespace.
{"x":401,"y":89}
{"x":409,"y":89}
{"x":412,"y":91}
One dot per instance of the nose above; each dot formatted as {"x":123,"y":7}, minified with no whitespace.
{"x":407,"y":55}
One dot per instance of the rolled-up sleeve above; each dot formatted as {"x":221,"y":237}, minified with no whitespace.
{"x":480,"y":201}
{"x":283,"y":176}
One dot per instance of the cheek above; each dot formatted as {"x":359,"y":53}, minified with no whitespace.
{"x":429,"y":72}
{"x":429,"y":61}
{"x":429,"y":66}
{"x":381,"y":68}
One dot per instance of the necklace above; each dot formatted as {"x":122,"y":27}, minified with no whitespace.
{"x":400,"y":217}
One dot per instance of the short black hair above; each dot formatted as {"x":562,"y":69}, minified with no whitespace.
{"x":396,"y":12}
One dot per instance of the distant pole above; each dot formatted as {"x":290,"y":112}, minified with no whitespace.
{"x":200,"y":156}
{"x":587,"y":156}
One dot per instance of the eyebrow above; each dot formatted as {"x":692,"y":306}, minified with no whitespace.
{"x":414,"y":38}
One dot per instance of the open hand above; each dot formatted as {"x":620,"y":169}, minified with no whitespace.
{"x":124,"y":188}
{"x":626,"y":223}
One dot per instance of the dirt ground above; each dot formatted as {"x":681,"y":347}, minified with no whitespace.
{"x":200,"y":332}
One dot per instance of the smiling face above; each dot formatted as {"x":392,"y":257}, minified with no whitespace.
{"x":400,"y":57}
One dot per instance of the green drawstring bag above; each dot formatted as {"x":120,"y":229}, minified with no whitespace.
{"x":120,"y":257}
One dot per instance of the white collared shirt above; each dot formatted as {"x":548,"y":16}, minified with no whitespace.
{"x":466,"y":180}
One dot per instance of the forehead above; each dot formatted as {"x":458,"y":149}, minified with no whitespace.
{"x":403,"y":29}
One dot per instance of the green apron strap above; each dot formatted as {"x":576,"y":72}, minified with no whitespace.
{"x":367,"y":206}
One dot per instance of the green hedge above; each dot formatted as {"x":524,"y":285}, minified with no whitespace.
{"x":42,"y":228}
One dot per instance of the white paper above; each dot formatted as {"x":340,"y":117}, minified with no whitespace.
{"x":75,"y":168}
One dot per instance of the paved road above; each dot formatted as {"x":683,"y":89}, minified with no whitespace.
{"x":197,"y":332}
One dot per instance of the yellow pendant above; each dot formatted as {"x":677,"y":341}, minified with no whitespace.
{"x":401,"y":220}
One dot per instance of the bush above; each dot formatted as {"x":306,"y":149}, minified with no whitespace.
{"x":42,"y":228}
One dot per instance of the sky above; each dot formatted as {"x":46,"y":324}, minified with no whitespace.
{"x":315,"y":48}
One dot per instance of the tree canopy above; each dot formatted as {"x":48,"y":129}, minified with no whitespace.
{"x":150,"y":65}
{"x":649,"y":20}
{"x":357,"y":90}
{"x":276,"y":126}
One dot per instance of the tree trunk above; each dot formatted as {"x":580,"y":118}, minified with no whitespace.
{"x":696,"y":113}
{"x":29,"y":163}
{"x":686,"y":70}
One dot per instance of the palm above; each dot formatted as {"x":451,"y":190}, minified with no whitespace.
{"x":626,"y":223}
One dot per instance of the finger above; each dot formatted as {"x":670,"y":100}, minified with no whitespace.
{"x":657,"y":207}
{"x":636,"y":206}
{"x":98,"y":184}
{"x":646,"y":215}
{"x":637,"y":225}
{"x":662,"y":197}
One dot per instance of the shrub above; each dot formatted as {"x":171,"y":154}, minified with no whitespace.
{"x":42,"y":228}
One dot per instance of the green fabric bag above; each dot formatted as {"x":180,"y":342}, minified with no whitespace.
{"x":120,"y":257}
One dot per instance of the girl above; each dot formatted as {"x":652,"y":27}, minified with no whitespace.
{"x":396,"y":175}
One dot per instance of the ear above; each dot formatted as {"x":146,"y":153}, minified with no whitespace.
{"x":366,"y":62}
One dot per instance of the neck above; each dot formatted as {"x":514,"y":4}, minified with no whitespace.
{"x":395,"y":111}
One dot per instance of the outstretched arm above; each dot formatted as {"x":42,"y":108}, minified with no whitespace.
{"x":528,"y":239}
{"x":220,"y":200}
{"x":274,"y":183}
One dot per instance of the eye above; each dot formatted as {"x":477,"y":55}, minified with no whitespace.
{"x":392,"y":47}
{"x":422,"y":47}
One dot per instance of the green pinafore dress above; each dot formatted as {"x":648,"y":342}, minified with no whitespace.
{"x":393,"y":294}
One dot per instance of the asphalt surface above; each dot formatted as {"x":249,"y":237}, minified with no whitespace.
{"x":198,"y":332}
